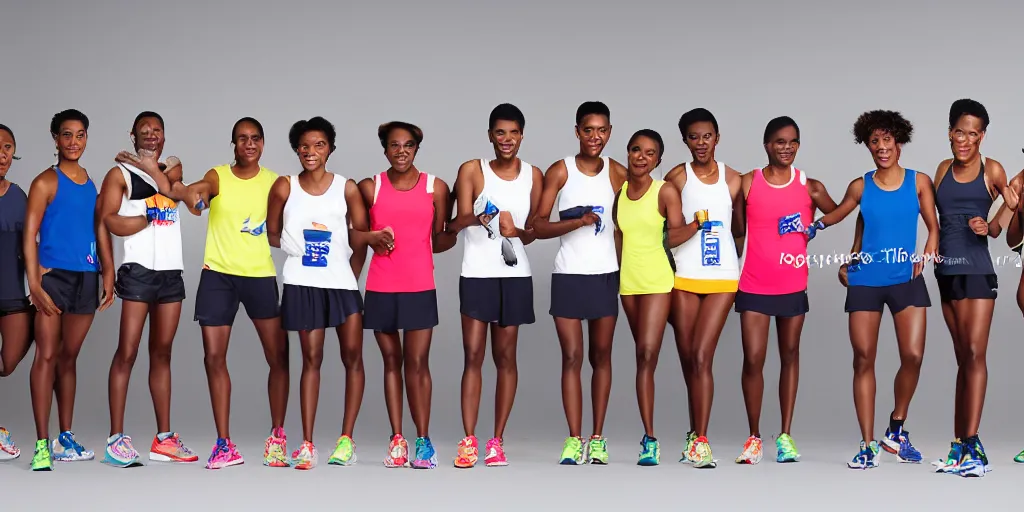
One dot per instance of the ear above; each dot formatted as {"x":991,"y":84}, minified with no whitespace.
{"x":576,"y":131}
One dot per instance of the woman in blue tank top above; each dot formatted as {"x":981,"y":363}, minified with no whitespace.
{"x":887,"y":272}
{"x":63,"y":271}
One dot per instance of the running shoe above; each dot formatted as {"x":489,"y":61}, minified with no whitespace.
{"x":700,"y":454}
{"x":344,"y":453}
{"x":275,"y":450}
{"x":974,"y":461}
{"x":752,"y":451}
{"x":41,"y":460}
{"x":426,"y":456}
{"x":691,"y":436}
{"x":7,"y":449}
{"x":866,"y":458}
{"x":170,"y":449}
{"x":786,"y":449}
{"x":650,"y":452}
{"x":398,"y":453}
{"x":120,"y":453}
{"x":66,"y":449}
{"x":224,"y":454}
{"x":572,"y":452}
{"x":898,"y":444}
{"x":467,"y":453}
{"x":951,"y":464}
{"x":495,"y":453}
{"x":597,"y":451}
{"x":306,"y":456}
{"x":1019,"y":458}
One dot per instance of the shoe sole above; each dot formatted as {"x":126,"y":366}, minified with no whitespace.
{"x":4,"y":456}
{"x":496,"y":464}
{"x":119,"y":464}
{"x":159,"y":457}
{"x":646,"y":464}
{"x":338,"y":462}
{"x":227,"y":465}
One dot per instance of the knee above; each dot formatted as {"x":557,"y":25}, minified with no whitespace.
{"x":392,"y":362}
{"x":160,"y":355}
{"x":505,"y":359}
{"x":646,"y":358}
{"x":974,"y":353}
{"x":278,"y":359}
{"x":701,"y":361}
{"x":125,"y":357}
{"x":753,"y":363}
{"x":912,"y":360}
{"x":600,"y":358}
{"x":789,"y":356}
{"x":352,"y":360}
{"x":417,"y":365}
{"x":572,"y":359}
{"x":313,"y":358}
{"x":68,"y":359}
{"x":863,"y":362}
{"x":215,"y":361}
{"x":474,"y":359}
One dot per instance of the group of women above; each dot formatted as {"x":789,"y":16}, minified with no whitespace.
{"x":668,"y":249}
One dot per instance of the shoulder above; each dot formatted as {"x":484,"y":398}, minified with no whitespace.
{"x":732,"y":174}
{"x":557,"y":170}
{"x":283,"y":183}
{"x":114,"y":175}
{"x":538,"y":175}
{"x":993,"y":165}
{"x":617,"y":167}
{"x":469,"y":168}
{"x":440,"y":186}
{"x":942,"y":168}
{"x":46,"y":178}
{"x":922,"y":178}
{"x":213,"y":174}
{"x":676,"y":173}
{"x":270,"y":175}
{"x":666,"y":189}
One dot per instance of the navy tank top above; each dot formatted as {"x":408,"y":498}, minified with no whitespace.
{"x":67,"y":234}
{"x":890,"y":233}
{"x":12,"y":261}
{"x":962,"y":251}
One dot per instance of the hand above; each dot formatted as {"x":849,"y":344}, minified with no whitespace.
{"x":1010,"y":196}
{"x":979,"y":226}
{"x":383,"y":241}
{"x":590,"y":218}
{"x":172,"y":162}
{"x":107,"y":297}
{"x":506,"y":227}
{"x":813,"y":229}
{"x":931,"y":250}
{"x":198,"y":199}
{"x":842,"y":275}
{"x":42,"y":301}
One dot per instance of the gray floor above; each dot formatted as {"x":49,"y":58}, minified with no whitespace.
{"x":531,"y":480}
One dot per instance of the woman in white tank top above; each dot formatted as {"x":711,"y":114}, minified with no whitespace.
{"x":707,"y":269}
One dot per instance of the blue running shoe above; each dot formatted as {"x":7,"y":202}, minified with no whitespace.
{"x":67,"y":449}
{"x":426,"y":457}
{"x":951,"y":464}
{"x":866,"y":458}
{"x":898,"y":444}
{"x":974,"y":462}
{"x":650,"y":453}
{"x":120,"y":452}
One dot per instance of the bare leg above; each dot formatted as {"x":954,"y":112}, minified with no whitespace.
{"x":910,"y":335}
{"x":683,"y":317}
{"x":15,"y":339}
{"x":75,"y":328}
{"x":647,"y":316}
{"x":391,"y":350}
{"x":163,"y":326}
{"x":215,"y":348}
{"x":864,"y":339}
{"x":950,"y":317}
{"x":714,"y":310}
{"x":418,"y":382}
{"x":789,"y":330}
{"x":350,"y":335}
{"x":503,"y":351}
{"x":975,"y":324}
{"x":602,"y":333}
{"x":474,"y":345}
{"x":275,"y":350}
{"x":754,"y":331}
{"x":133,"y":319}
{"x":312,"y":343}
{"x":570,"y":338}
{"x":44,"y":370}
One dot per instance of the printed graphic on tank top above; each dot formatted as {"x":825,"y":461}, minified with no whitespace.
{"x":315,"y":237}
{"x":890,"y":233}
{"x":12,"y":260}
{"x":775,"y":261}
{"x":158,"y":245}
{"x":67,"y":233}
{"x":409,"y":267}
{"x":587,"y":250}
{"x":483,"y":255}
{"x":963,"y":251}
{"x":710,"y":255}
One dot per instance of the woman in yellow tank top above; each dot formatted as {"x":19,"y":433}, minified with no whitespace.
{"x":238,"y":269}
{"x":644,"y":208}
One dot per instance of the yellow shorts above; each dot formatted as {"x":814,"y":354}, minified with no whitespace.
{"x":706,"y":286}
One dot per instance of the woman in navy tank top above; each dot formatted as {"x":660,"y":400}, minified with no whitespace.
{"x":886,"y":272}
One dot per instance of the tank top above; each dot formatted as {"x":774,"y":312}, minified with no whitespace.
{"x":708,"y":255}
{"x":776,"y":216}
{"x":315,"y":237}
{"x":12,"y":258}
{"x":963,"y":251}
{"x":67,"y":234}
{"x":482,"y":256}
{"x":588,"y":250}
{"x":158,"y":245}
{"x":645,"y":265}
{"x":890,"y":233}
{"x":410,"y":213}
{"x":236,"y":237}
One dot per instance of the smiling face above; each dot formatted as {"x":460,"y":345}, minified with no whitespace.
{"x":782,"y":147}
{"x":71,"y":140}
{"x":701,"y":139}
{"x":248,"y":144}
{"x":884,"y":149}
{"x":643,"y":156}
{"x":7,"y":149}
{"x":593,"y":133}
{"x":965,"y":138}
{"x":506,"y":136}
{"x":401,"y":149}
{"x":149,"y":135}
{"x":313,"y":150}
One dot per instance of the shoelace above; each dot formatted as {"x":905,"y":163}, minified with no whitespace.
{"x":181,"y":446}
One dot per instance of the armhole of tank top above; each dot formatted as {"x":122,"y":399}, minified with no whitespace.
{"x":127,"y":180}
{"x":376,"y":187}
{"x":430,"y":184}
{"x":803,"y":176}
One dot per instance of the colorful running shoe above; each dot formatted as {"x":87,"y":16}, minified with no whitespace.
{"x":650,"y":452}
{"x":700,"y":454}
{"x":786,"y":449}
{"x":974,"y":461}
{"x":66,"y":449}
{"x":41,"y":460}
{"x":170,"y":449}
{"x":1019,"y":458}
{"x":691,"y":436}
{"x":597,"y":451}
{"x":306,"y":456}
{"x":866,"y":458}
{"x":398,"y":453}
{"x":344,"y":452}
{"x":468,"y":452}
{"x":752,"y":451}
{"x":495,"y":453}
{"x":572,"y":452}
{"x":120,"y":452}
{"x":7,"y":449}
{"x":951,"y":464}
{"x":898,"y":444}
{"x":275,"y":450}
{"x":224,"y":454}
{"x":426,"y":456}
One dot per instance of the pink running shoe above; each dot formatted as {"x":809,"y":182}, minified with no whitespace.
{"x":224,"y":454}
{"x":495,"y":453}
{"x":398,"y":453}
{"x":275,"y":450}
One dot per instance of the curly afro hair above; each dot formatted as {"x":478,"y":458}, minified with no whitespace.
{"x":888,"y":121}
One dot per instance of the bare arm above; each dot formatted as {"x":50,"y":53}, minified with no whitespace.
{"x":849,"y":203}
{"x":554,"y":180}
{"x":671,"y":206}
{"x":1010,"y":190}
{"x":40,"y":194}
{"x":359,"y":225}
{"x":527,"y":235}
{"x":275,"y":209}
{"x":820,"y":197}
{"x":739,"y":205}
{"x":105,"y":248}
{"x":468,"y":185}
{"x":109,"y":202}
{"x":618,"y":232}
{"x":926,"y":198}
{"x":205,"y":190}
{"x":444,"y":239}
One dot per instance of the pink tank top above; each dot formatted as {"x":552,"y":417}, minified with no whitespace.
{"x":410,"y":213}
{"x":776,"y":258}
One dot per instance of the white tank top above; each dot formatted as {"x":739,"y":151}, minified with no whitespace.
{"x":708,"y":255}
{"x":315,"y":237}
{"x":158,"y":246}
{"x":586,"y":250}
{"x":481,"y":256}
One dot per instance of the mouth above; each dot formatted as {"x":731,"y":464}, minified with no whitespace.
{"x":309,"y":161}
{"x":250,"y":152}
{"x":506,"y":148}
{"x":785,"y":156}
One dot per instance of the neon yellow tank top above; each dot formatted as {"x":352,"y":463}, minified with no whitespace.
{"x":236,"y":236}
{"x":645,"y":267}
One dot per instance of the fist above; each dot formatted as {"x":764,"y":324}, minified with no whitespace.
{"x":506,"y":226}
{"x":979,"y":226}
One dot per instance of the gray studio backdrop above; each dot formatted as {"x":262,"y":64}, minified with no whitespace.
{"x":443,"y":66}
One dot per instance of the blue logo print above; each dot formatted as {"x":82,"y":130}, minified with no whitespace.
{"x":791,"y":224}
{"x":599,"y":225}
{"x":711,"y":253}
{"x":318,"y":245}
{"x":254,"y":232}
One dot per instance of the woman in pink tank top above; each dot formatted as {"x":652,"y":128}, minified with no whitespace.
{"x":780,"y":201}
{"x":400,"y":294}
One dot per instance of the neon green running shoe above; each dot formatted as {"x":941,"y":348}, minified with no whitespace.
{"x":597,"y":451}
{"x":344,"y":453}
{"x":786,"y":448}
{"x":41,"y":460}
{"x":691,"y":437}
{"x":572,"y":452}
{"x":1020,"y":457}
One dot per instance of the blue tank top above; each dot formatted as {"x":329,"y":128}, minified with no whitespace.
{"x":963,"y":251}
{"x":890,"y":233}
{"x":67,"y":234}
